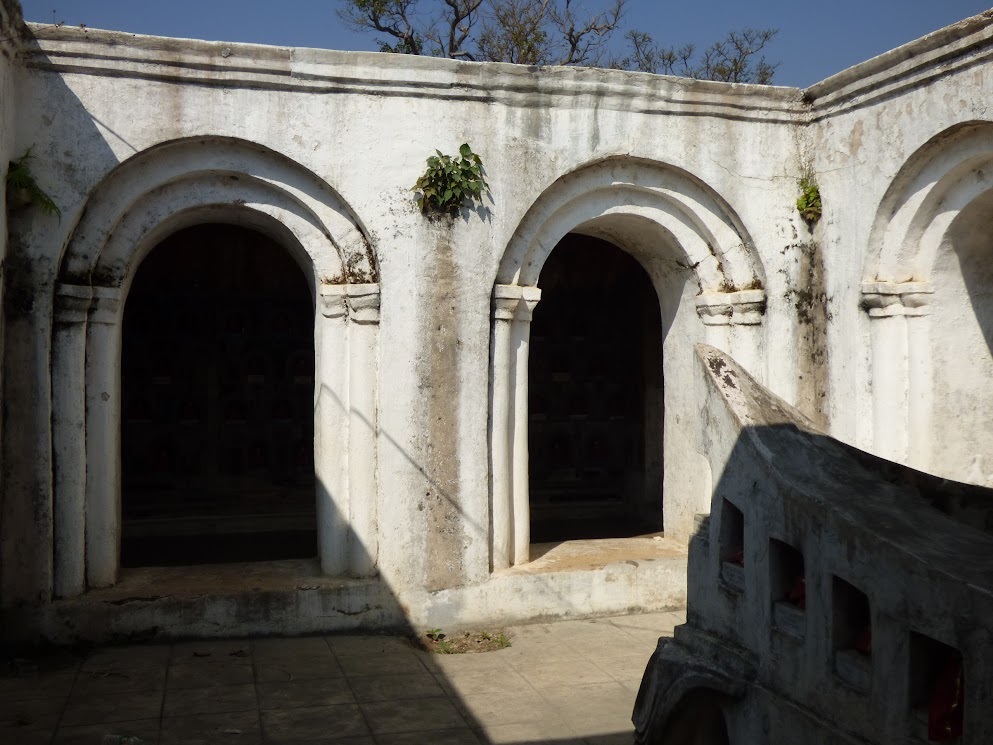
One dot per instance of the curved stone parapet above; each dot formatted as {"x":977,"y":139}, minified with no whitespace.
{"x":841,"y":597}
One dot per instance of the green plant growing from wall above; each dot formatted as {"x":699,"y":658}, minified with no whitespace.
{"x":809,"y":202}
{"x":23,"y":189}
{"x":450,"y":183}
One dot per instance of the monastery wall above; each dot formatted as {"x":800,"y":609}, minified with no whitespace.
{"x":422,"y":325}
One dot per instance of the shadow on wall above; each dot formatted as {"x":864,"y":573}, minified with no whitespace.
{"x":55,"y":124}
{"x":830,"y":592}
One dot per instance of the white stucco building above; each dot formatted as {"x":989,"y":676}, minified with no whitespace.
{"x":243,"y":342}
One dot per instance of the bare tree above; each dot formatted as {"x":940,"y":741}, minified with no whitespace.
{"x":532,"y":32}
{"x":390,"y":17}
{"x":450,"y":35}
{"x":584,"y":37}
{"x":516,"y":31}
{"x":734,"y":59}
{"x":542,"y":32}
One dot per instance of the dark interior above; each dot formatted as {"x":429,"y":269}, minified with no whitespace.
{"x":595,"y":396}
{"x":217,"y":426}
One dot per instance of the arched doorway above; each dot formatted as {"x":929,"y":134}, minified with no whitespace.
{"x":217,"y":431}
{"x":595,"y":396}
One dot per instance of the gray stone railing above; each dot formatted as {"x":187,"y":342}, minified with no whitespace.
{"x":830,"y":594}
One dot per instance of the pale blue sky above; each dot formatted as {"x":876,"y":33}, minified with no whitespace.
{"x":815,"y":40}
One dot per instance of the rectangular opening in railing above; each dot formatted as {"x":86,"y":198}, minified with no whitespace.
{"x":851,"y":634}
{"x":937,"y":690}
{"x":732,"y":546}
{"x":787,"y":583}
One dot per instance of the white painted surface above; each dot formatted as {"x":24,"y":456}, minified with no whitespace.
{"x":420,"y":438}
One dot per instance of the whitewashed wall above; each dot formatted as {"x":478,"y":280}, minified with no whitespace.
{"x":697,"y":180}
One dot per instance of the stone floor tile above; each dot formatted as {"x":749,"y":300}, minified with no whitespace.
{"x":421,"y":715}
{"x":114,"y":680}
{"x":512,"y":707}
{"x":477,"y":662}
{"x":348,"y":646}
{"x":663,"y":622}
{"x":215,"y":700}
{"x":31,"y":714}
{"x":538,"y":656}
{"x":305,"y":693}
{"x":297,"y":668}
{"x":22,"y":736}
{"x":564,"y":673}
{"x":368,"y":688}
{"x":468,"y":683}
{"x":274,"y":650}
{"x":623,"y":669}
{"x":614,"y":738}
{"x":600,"y":709}
{"x":93,"y":734}
{"x":127,"y":706}
{"x":603,"y":637}
{"x":220,"y":650}
{"x":462,"y":736}
{"x":198,"y":675}
{"x":529,"y":733}
{"x":36,"y":685}
{"x":239,"y":728}
{"x":397,"y":663}
{"x":647,"y":639}
{"x":315,"y":724}
{"x":135,"y":655}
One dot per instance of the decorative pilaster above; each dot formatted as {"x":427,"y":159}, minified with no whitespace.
{"x":363,"y":333}
{"x":72,"y":303}
{"x":103,"y":442}
{"x":521,"y":477}
{"x":331,"y":430}
{"x":506,"y":298}
{"x":901,"y":369}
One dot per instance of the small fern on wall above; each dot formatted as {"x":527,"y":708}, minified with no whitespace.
{"x":22,"y":189}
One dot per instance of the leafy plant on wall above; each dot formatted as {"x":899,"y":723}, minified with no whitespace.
{"x":450,"y":183}
{"x":22,"y":189}
{"x":809,"y":202}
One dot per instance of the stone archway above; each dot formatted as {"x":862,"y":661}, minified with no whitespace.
{"x":156,"y":193}
{"x":217,"y":423}
{"x":921,"y":275}
{"x":710,"y":287}
{"x":595,"y":397}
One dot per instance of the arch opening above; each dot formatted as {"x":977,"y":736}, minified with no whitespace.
{"x":217,"y":425}
{"x":596,"y":404}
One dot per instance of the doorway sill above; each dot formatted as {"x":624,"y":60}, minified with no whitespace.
{"x":598,"y":553}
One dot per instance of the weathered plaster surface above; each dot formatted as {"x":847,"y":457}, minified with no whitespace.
{"x":421,"y":409}
{"x":898,"y":536}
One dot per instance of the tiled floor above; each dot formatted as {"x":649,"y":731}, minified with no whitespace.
{"x":559,"y":683}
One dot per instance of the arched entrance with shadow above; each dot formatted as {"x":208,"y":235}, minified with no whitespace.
{"x":595,"y":396}
{"x":217,"y":417}
{"x":610,"y":438}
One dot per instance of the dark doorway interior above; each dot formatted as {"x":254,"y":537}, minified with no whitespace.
{"x":595,"y":396}
{"x":217,"y":426}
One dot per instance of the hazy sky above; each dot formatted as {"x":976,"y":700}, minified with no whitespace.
{"x":815,"y":40}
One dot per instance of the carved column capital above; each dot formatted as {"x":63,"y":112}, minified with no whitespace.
{"x":529,"y":301}
{"x":741,"y":308}
{"x":890,"y":299}
{"x":331,"y":301}
{"x":72,"y":302}
{"x":506,"y":299}
{"x":363,"y":303}
{"x":105,"y":306}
